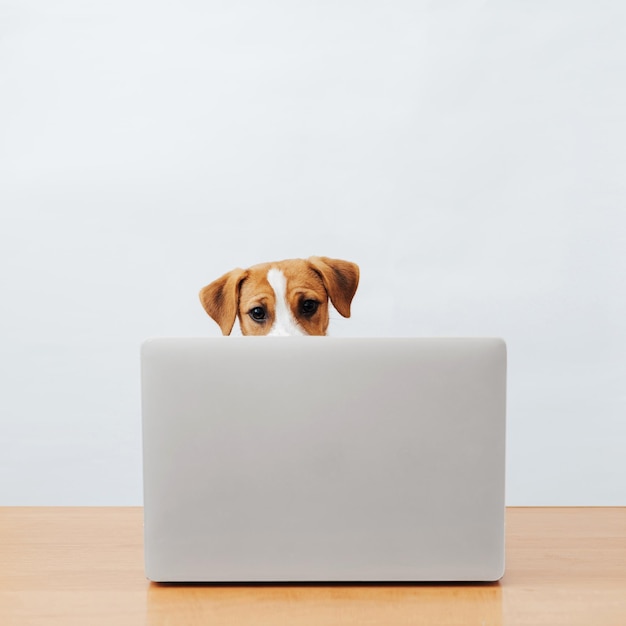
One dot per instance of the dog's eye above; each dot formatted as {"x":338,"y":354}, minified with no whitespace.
{"x":257,"y":313}
{"x":309,"y":307}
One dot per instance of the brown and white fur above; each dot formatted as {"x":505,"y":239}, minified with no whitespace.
{"x":282,"y":298}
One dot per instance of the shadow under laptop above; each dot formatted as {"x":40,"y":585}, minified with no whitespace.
{"x":321,"y":603}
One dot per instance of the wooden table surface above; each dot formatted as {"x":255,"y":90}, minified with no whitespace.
{"x":565,"y":566}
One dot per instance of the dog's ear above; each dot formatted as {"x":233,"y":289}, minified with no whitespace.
{"x":341,"y":278}
{"x":220,"y":299}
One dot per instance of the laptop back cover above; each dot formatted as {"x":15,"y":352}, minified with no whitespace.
{"x":323,"y":459}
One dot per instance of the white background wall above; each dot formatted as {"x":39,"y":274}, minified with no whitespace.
{"x":468,"y":155}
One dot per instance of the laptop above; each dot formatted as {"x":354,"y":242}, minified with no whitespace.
{"x":306,"y":459}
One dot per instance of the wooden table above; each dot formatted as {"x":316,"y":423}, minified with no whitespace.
{"x":85,"y":566}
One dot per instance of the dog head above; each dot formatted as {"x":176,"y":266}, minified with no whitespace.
{"x":283,"y":298}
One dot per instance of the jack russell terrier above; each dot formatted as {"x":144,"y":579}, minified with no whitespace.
{"x":282,"y":298}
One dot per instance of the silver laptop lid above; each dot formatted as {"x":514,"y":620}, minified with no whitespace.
{"x":324,"y":459}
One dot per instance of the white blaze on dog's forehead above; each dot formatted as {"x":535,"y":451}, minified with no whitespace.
{"x":284,"y":324}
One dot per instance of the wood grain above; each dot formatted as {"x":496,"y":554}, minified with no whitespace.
{"x":565,"y":566}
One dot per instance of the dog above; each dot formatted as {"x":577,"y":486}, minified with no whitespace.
{"x":282,"y":298}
